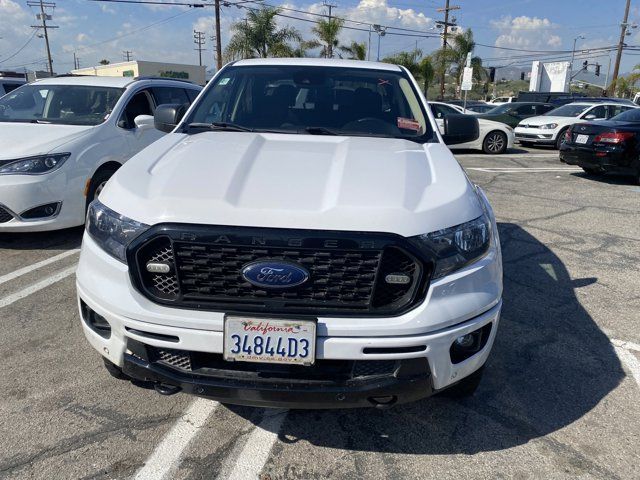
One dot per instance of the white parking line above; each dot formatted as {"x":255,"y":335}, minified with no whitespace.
{"x":524,"y":169}
{"x":30,"y":268}
{"x":256,"y":451}
{"x":627,"y":358}
{"x":165,"y":459}
{"x":14,"y":297}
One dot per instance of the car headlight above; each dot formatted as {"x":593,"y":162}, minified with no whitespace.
{"x":112,"y":231}
{"x":548,"y":126}
{"x":455,"y":247}
{"x":34,"y":165}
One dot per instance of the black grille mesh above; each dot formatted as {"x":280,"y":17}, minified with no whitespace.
{"x":344,"y":277}
{"x":341,"y":280}
{"x":174,"y":358}
{"x":5,"y":216}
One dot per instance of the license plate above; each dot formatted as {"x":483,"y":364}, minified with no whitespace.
{"x":268,"y":340}
{"x":582,"y":139}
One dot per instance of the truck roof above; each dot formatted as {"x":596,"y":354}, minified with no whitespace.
{"x":319,"y":62}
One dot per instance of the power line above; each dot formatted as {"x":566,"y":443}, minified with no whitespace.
{"x":22,"y":47}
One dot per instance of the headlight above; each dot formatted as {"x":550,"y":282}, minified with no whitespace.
{"x":455,"y":247}
{"x":548,"y":126}
{"x":34,"y":165}
{"x":112,"y":231}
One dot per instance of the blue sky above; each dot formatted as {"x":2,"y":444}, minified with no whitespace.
{"x":103,"y":30}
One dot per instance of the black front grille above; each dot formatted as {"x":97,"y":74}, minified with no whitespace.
{"x":348,"y":272}
{"x":5,"y":216}
{"x":213,"y":365}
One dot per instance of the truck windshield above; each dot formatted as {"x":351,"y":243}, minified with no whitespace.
{"x":314,"y":100}
{"x":63,"y":104}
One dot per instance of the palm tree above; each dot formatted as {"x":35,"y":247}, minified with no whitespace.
{"x":427,"y":73}
{"x":355,"y":51}
{"x":258,"y":36}
{"x":409,"y":60}
{"x":327,"y":32}
{"x":453,"y":59}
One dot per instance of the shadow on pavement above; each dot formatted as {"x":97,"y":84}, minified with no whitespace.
{"x":610,"y":178}
{"x":57,"y":240}
{"x":550,"y":366}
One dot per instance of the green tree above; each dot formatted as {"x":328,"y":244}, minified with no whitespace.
{"x":326,"y":32}
{"x":258,"y":35}
{"x":409,"y":60}
{"x":355,"y":51}
{"x":453,"y":59}
{"x":427,"y":72}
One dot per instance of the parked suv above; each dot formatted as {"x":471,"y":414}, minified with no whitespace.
{"x":303,"y":238}
{"x":62,"y":138}
{"x":8,"y":83}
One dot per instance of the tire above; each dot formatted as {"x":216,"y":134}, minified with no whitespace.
{"x":98,"y":182}
{"x":560,"y":138}
{"x":495,"y":143}
{"x":466,"y":387}
{"x":114,"y":370}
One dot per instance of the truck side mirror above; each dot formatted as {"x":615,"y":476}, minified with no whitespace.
{"x":460,"y":128}
{"x":167,"y":116}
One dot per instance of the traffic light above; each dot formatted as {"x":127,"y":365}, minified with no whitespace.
{"x":492,"y":74}
{"x":521,"y":75}
{"x":597,"y":69}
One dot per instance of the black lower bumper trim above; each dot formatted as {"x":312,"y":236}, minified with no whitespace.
{"x":382,"y":392}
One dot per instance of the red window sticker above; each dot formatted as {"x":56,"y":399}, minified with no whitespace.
{"x":382,"y":81}
{"x":408,"y":124}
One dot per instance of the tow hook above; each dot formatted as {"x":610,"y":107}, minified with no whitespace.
{"x":383,"y":402}
{"x":165,"y":389}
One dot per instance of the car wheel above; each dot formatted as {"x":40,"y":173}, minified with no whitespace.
{"x":465,"y":387}
{"x":98,"y":182}
{"x":114,"y":370}
{"x":495,"y":143}
{"x":560,"y":139}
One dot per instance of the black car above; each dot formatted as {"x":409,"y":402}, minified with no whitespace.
{"x":605,"y":146}
{"x":512,"y":113}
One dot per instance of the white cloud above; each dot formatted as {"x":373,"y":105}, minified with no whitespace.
{"x":82,"y":37}
{"x":526,"y":32}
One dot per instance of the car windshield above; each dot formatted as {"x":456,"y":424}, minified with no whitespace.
{"x":632,"y":115}
{"x":570,"y":110}
{"x":61,"y":104}
{"x":501,"y":108}
{"x":314,"y":100}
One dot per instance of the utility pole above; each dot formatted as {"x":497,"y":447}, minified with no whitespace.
{"x":198,"y":39}
{"x":126,"y":54}
{"x":76,"y":61}
{"x":43,"y":17}
{"x":445,"y":32}
{"x":329,"y":53}
{"x":218,"y":37}
{"x":623,"y":32}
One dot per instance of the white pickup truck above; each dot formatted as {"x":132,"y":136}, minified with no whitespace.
{"x":303,"y":238}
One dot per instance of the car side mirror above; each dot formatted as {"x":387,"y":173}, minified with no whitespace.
{"x":590,"y":117}
{"x":144,"y":122}
{"x":168,"y":116}
{"x":460,"y":128}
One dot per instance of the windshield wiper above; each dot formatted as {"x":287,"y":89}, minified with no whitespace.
{"x":320,"y":131}
{"x":229,"y":127}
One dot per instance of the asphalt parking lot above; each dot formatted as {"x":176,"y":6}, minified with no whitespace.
{"x":559,"y":399}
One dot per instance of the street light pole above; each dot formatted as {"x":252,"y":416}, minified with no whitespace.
{"x":573,"y":54}
{"x":381,"y":31}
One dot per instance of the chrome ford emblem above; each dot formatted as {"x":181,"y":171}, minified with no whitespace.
{"x":274,"y":274}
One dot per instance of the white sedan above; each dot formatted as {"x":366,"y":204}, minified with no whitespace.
{"x":495,"y":137}
{"x":549,"y":129}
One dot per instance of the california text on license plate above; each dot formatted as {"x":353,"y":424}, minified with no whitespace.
{"x":269,"y":340}
{"x":582,"y":139}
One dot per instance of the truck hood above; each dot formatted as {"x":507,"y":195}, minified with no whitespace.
{"x":294,"y":181}
{"x":19,"y":140}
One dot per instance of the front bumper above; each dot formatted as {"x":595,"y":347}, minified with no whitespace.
{"x":535,"y":135}
{"x":20,"y":193}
